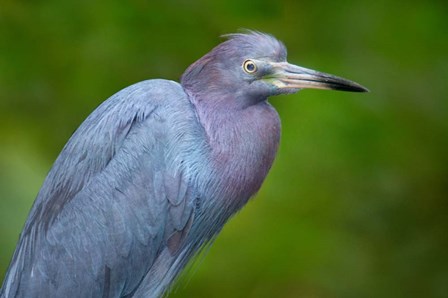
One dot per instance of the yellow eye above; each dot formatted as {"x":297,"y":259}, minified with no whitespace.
{"x":249,"y":66}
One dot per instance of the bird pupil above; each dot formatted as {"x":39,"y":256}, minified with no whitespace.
{"x":250,"y":66}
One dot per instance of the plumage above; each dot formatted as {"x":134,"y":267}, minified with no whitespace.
{"x":151,"y":176}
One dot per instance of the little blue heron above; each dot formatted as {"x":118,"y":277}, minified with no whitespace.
{"x":154,"y":173}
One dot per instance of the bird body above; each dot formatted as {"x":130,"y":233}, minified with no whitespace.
{"x":152,"y":175}
{"x":139,"y":162}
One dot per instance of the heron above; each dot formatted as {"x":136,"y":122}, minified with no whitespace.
{"x":154,"y":173}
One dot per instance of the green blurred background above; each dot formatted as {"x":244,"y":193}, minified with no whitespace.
{"x":356,"y":204}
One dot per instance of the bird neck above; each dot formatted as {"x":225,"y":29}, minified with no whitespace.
{"x":243,"y":143}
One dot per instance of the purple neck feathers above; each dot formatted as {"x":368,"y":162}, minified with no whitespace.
{"x":243,"y":144}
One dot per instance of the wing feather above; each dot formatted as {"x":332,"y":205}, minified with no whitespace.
{"x":112,"y":201}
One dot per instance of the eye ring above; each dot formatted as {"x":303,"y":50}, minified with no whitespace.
{"x":249,"y":66}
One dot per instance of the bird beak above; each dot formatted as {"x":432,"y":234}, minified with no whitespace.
{"x":291,"y":77}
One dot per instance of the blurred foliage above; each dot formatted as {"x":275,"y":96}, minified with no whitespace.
{"x":357,"y":201}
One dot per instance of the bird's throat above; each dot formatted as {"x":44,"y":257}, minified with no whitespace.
{"x":243,"y":144}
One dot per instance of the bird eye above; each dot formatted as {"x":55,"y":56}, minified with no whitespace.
{"x":249,"y":66}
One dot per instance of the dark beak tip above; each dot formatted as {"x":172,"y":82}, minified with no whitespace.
{"x":353,"y":87}
{"x":349,"y":88}
{"x":360,"y":89}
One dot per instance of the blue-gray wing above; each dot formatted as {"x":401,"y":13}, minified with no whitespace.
{"x":118,"y":196}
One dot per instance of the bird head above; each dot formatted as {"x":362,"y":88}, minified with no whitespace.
{"x":250,"y":67}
